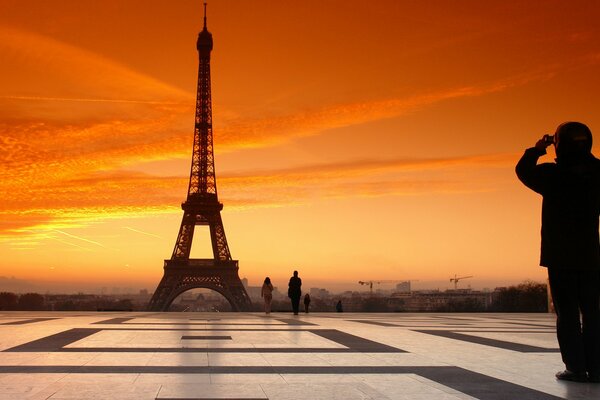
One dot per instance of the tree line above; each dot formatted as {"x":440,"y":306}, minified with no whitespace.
{"x":525,"y":297}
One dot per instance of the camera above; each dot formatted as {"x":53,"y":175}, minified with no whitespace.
{"x":548,"y":139}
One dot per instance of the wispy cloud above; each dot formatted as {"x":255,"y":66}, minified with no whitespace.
{"x":70,"y":244}
{"x":95,"y":117}
{"x":272,"y":130}
{"x":79,"y":238}
{"x":142,"y":232}
{"x":88,"y":100}
{"x":116,"y":195}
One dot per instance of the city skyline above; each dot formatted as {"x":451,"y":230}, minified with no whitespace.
{"x":353,"y":141}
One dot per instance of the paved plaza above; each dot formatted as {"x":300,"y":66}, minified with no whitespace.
{"x":346,"y":356}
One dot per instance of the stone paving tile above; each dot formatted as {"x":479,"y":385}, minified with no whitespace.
{"x":175,"y":379}
{"x":324,"y":391}
{"x":78,"y":391}
{"x":179,"y":359}
{"x":246,"y":378}
{"x":317,"y":356}
{"x":211,"y":391}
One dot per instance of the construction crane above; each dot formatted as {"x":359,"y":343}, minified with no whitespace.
{"x":459,"y":278}
{"x":370,"y":283}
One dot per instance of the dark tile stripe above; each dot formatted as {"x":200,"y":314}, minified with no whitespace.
{"x":481,"y":386}
{"x":55,"y":342}
{"x":291,"y":321}
{"x":206,"y":338}
{"x":28,"y":321}
{"x":516,"y":330}
{"x":209,"y":329}
{"x":112,"y":321}
{"x":204,"y":319}
{"x":288,"y":350}
{"x":500,"y":344}
{"x":207,"y":323}
{"x":355,"y":343}
{"x":362,"y":321}
{"x":477,"y":385}
{"x":531,"y":324}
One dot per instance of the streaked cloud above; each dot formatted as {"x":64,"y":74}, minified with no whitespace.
{"x":273,"y":130}
{"x":79,"y":238}
{"x":141,"y":232}
{"x":49,"y":209}
{"x":96,"y":117}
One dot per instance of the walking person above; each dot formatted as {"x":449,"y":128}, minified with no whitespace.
{"x":306,"y":302}
{"x":266,"y":292}
{"x":295,"y":291}
{"x":570,"y":249}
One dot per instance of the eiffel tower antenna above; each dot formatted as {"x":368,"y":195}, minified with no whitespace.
{"x":202,"y":207}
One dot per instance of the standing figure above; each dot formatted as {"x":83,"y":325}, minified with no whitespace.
{"x":266,"y":292}
{"x":306,"y":302}
{"x":570,"y":242}
{"x":338,"y":306}
{"x":294,"y":291}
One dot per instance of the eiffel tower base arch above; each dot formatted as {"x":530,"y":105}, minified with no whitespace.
{"x":183,"y":275}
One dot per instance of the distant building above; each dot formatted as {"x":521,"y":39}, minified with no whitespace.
{"x":319,"y":293}
{"x":436,"y":301}
{"x":403,"y":287}
{"x":254,"y":292}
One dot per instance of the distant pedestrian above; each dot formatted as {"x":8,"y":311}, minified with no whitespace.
{"x":338,"y":306}
{"x":266,"y":292}
{"x":570,"y":188}
{"x":306,"y":302}
{"x":295,"y":291}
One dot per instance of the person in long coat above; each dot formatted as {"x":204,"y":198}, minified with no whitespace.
{"x":295,"y":291}
{"x":266,"y":292}
{"x":570,"y":249}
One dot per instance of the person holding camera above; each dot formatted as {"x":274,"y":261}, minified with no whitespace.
{"x":570,"y":248}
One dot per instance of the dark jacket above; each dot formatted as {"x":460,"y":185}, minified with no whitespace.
{"x":294,"y":287}
{"x":570,"y":208}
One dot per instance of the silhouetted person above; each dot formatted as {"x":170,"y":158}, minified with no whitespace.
{"x":338,"y":306}
{"x":306,"y":302}
{"x":570,"y":242}
{"x":294,"y":291}
{"x":266,"y":292}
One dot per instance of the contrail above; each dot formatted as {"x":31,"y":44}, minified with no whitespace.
{"x":80,"y":238}
{"x":142,"y":232}
{"x":39,"y":98}
{"x":70,"y":244}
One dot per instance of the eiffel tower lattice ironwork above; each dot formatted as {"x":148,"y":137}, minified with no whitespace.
{"x":202,"y":207}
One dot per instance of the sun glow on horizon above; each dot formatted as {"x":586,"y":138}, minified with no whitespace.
{"x":377,"y":139}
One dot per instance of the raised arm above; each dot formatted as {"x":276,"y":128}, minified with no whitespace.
{"x":532,"y":175}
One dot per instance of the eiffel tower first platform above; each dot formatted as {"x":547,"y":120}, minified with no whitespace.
{"x":202,"y":207}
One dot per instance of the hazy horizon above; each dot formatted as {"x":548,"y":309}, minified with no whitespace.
{"x":13,"y":284}
{"x":353,"y":140}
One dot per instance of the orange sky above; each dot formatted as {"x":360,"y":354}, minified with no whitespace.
{"x":355,"y":140}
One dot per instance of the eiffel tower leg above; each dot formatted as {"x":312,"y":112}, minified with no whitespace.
{"x":159,"y":300}
{"x":219,"y":241}
{"x":183,"y":245}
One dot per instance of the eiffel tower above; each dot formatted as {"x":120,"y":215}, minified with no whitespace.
{"x":202,"y":207}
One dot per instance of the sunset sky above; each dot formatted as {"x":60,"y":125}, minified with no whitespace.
{"x":355,"y":140}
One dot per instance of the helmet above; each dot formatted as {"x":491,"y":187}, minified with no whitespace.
{"x":573,"y":140}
